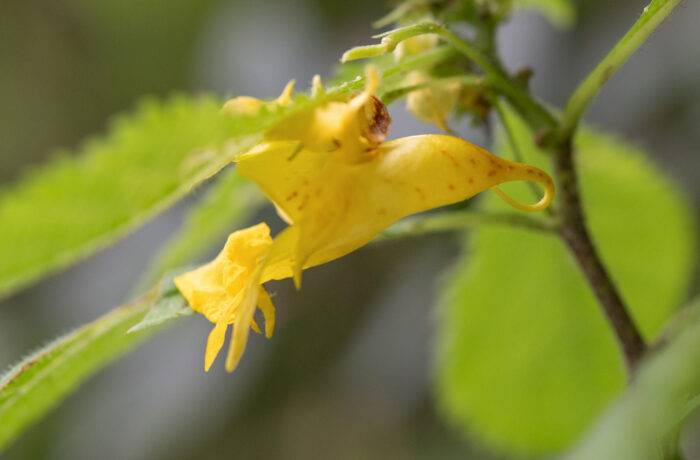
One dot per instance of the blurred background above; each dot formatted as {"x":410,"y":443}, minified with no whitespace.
{"x":347,"y":374}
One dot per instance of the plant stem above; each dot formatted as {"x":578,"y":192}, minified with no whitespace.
{"x":573,"y":225}
{"x":427,"y":59}
{"x":461,"y":220}
{"x":537,"y":116}
{"x":403,"y":91}
{"x":574,"y":232}
{"x":653,"y":14}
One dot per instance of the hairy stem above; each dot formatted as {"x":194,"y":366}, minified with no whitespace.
{"x":574,"y":232}
{"x":427,"y":59}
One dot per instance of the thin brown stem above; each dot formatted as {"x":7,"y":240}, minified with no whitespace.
{"x":574,"y":232}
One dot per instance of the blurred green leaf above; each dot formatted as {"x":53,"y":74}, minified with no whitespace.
{"x":526,"y":358}
{"x":89,"y":66}
{"x":147,"y":162}
{"x":562,"y":13}
{"x":43,"y":379}
{"x":644,"y":422}
{"x":37,"y":383}
{"x":76,"y":206}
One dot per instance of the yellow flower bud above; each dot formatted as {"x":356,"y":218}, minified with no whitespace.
{"x":434,"y":104}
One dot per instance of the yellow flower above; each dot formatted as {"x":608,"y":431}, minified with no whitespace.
{"x":217,"y":289}
{"x":337,"y":185}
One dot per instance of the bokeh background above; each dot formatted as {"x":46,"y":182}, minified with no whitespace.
{"x":348,"y":373}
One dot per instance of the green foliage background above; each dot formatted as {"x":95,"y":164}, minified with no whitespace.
{"x":68,"y":67}
{"x":547,"y":364}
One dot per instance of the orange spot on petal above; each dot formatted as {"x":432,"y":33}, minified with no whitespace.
{"x":451,"y":158}
{"x":303,"y":202}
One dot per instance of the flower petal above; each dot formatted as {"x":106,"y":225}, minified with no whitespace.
{"x":214,"y":344}
{"x":337,"y":208}
{"x":244,"y":316}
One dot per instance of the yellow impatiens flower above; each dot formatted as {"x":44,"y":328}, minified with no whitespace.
{"x":216,"y":289}
{"x":338,"y":185}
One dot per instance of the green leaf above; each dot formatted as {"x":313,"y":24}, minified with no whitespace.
{"x":37,"y":383}
{"x":526,"y":358}
{"x":147,"y":162}
{"x":562,"y":13}
{"x":43,"y":379}
{"x":164,"y":309}
{"x":76,"y":206}
{"x":170,"y":304}
{"x":643,"y":424}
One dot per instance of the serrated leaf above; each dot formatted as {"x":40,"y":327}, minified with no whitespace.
{"x":643,"y":424}
{"x":527,"y":359}
{"x":37,"y":383}
{"x":148,"y":161}
{"x":76,"y":206}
